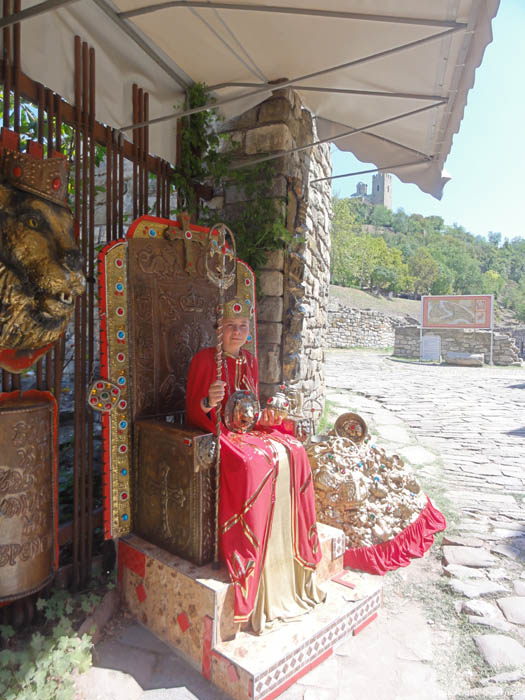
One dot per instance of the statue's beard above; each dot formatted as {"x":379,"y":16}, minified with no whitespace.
{"x":27,"y":323}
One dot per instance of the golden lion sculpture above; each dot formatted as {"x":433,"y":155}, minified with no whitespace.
{"x":40,"y":263}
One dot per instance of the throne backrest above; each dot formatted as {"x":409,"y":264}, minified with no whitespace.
{"x":172,"y":308}
{"x":158,"y":309}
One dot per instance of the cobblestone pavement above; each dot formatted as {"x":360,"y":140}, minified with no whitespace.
{"x":453,"y":623}
{"x":463,"y":429}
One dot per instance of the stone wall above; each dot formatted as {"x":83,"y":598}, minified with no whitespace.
{"x":459,"y":340}
{"x":349,"y":327}
{"x":293,"y":286}
{"x":519,"y":336}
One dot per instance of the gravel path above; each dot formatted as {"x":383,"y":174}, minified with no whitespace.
{"x":453,"y":622}
{"x":463,"y":430}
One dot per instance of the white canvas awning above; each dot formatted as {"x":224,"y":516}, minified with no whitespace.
{"x":397,"y":72}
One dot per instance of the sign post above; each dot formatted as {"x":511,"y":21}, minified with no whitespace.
{"x":462,"y":311}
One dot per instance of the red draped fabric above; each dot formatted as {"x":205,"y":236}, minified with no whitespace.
{"x":18,"y":360}
{"x":249,"y":468}
{"x":411,"y":543}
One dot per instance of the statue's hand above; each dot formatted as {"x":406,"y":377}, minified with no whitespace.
{"x":216,"y":392}
{"x":269,"y":417}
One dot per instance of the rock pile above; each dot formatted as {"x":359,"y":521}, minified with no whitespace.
{"x":360,"y":489}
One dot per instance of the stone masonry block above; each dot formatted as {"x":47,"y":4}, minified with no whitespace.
{"x":270,"y":332}
{"x":271,"y":283}
{"x":234,"y":194}
{"x":243,"y":121}
{"x":269,"y":364}
{"x":274,"y":261}
{"x":270,"y":309}
{"x":276,"y":110}
{"x":274,"y":137}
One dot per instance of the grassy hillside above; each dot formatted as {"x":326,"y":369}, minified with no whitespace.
{"x":358,"y":299}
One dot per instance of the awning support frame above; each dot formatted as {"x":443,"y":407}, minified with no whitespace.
{"x":276,"y":9}
{"x":287,"y":83}
{"x":34,"y":11}
{"x":342,"y":91}
{"x":385,"y":169}
{"x":137,"y":38}
{"x":345,"y":134}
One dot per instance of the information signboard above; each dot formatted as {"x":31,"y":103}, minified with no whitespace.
{"x":469,"y":311}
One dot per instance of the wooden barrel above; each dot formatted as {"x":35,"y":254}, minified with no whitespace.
{"x":27,"y":493}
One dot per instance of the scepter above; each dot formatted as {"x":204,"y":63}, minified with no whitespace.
{"x":221,"y":264}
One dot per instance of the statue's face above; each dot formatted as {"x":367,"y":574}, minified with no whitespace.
{"x":235,"y":334}
{"x":241,"y":412}
{"x":40,"y":270}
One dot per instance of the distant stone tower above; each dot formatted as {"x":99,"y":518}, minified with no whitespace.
{"x":360,"y":190}
{"x":382,"y":190}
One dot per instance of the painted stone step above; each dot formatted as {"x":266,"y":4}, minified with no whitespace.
{"x":191,"y":607}
{"x":252,"y":667}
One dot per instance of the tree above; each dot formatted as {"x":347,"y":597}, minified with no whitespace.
{"x":492,"y":282}
{"x":494,"y":238}
{"x":400,"y":221}
{"x":415,"y":224}
{"x":386,"y":279}
{"x":433,"y":225}
{"x":444,"y":281}
{"x":343,"y":233}
{"x":424,"y":269}
{"x":381,"y":216}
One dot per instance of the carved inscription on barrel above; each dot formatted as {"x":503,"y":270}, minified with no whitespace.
{"x":26,"y":497}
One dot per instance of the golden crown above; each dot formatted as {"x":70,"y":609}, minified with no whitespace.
{"x":46,"y":178}
{"x":239,"y":308}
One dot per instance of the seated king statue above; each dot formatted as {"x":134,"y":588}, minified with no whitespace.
{"x":267,"y":523}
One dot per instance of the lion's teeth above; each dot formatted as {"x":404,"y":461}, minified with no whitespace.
{"x":66,"y":298}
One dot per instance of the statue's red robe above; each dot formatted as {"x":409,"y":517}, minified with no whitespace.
{"x":249,"y":467}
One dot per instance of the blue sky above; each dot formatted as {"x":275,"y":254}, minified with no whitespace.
{"x":487,"y":159}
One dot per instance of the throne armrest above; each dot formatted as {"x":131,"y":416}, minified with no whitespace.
{"x":174,"y":502}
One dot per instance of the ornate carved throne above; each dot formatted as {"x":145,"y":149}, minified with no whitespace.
{"x":158,"y":308}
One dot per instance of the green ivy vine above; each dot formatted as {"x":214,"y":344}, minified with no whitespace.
{"x":258,"y":223}
{"x":200,"y":157}
{"x":41,"y":667}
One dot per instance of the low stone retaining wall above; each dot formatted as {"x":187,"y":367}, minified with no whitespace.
{"x":459,"y":340}
{"x":349,"y":327}
{"x":519,"y":336}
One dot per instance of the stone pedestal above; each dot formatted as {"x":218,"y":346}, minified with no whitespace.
{"x":191,"y":608}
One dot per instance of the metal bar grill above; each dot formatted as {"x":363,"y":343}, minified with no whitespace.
{"x":16,"y":68}
{"x":7,"y":66}
{"x":78,"y":333}
{"x":74,"y":131}
{"x":90,"y":301}
{"x":113,"y":194}
{"x":135,"y":151}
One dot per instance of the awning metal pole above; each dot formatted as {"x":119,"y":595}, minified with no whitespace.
{"x":385,"y":168}
{"x":34,"y":11}
{"x":285,"y":83}
{"x":345,"y":134}
{"x":140,"y":41}
{"x":330,"y":14}
{"x":342,"y":91}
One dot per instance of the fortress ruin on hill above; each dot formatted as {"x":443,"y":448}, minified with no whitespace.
{"x":381,"y":190}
